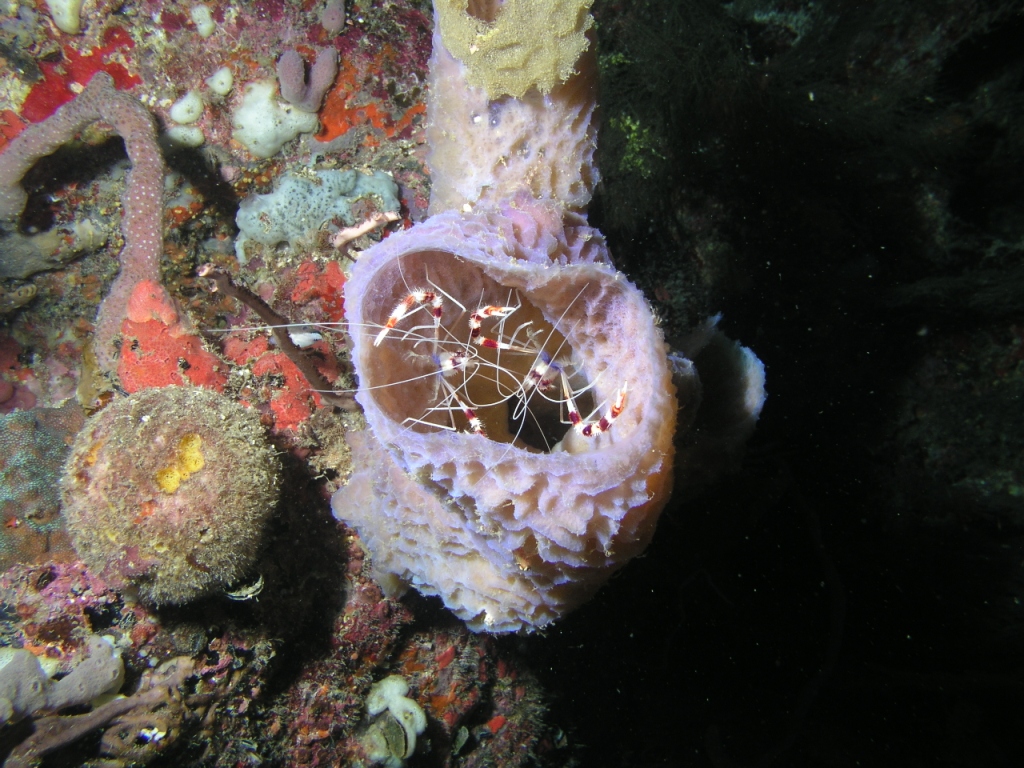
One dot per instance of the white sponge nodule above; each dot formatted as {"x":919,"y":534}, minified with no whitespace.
{"x":221,"y":82}
{"x":263,"y":125}
{"x":67,"y":15}
{"x":187,"y":109}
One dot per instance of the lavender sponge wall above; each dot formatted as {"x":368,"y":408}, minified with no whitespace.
{"x":519,"y":404}
{"x":510,"y":534}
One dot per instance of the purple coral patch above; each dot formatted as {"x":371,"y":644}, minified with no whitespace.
{"x":305,"y":94}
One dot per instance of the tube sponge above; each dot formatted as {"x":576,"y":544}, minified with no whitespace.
{"x":306,"y":94}
{"x":517,"y":522}
{"x":484,"y":151}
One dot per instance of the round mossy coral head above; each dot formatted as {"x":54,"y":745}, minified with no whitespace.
{"x":510,"y":46}
{"x":168,"y":491}
{"x":520,"y":413}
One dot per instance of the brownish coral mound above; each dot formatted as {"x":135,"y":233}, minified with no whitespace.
{"x":168,"y":491}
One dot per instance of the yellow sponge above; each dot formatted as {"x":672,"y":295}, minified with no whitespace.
{"x":187,"y":460}
{"x":528,"y":43}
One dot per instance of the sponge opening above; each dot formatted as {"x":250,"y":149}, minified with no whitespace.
{"x":447,"y":347}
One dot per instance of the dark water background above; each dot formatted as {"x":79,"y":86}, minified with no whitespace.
{"x":853,"y":595}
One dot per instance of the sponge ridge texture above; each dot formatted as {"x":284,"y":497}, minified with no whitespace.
{"x":510,"y":538}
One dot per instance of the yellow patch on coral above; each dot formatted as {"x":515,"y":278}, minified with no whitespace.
{"x":190,"y":455}
{"x":529,"y":43}
{"x":168,"y":478}
{"x":94,"y":452}
{"x":188,"y":459}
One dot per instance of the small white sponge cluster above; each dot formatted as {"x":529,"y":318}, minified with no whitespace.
{"x":203,"y":19}
{"x":391,"y":738}
{"x":221,"y":82}
{"x":183,"y":113}
{"x":302,"y":203}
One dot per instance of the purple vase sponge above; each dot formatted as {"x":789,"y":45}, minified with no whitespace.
{"x":168,"y":490}
{"x":520,"y":413}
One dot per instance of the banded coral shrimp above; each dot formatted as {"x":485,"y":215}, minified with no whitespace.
{"x":449,"y":348}
{"x":291,"y":338}
{"x":521,"y":386}
{"x":451,"y":365}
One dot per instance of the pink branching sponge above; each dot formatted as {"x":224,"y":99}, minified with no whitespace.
{"x":143,"y":200}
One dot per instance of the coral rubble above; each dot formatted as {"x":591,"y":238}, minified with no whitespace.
{"x":33,"y":445}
